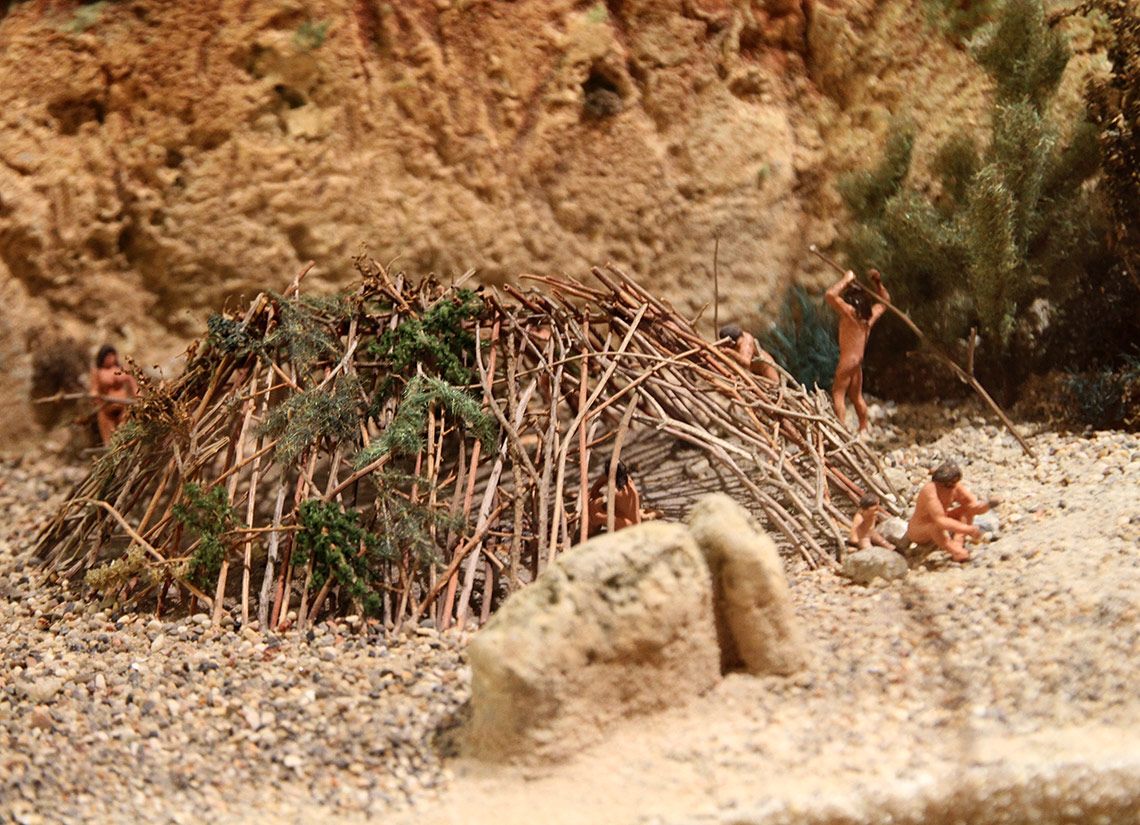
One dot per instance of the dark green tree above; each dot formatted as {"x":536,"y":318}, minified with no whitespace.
{"x":1012,"y":220}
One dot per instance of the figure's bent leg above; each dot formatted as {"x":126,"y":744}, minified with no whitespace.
{"x":955,"y":548}
{"x":962,"y":513}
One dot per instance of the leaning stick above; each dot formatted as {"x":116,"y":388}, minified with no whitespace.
{"x":162,"y":560}
{"x":73,"y":396}
{"x":964,"y":376}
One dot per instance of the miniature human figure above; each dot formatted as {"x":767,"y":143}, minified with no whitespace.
{"x":627,"y":502}
{"x":857,"y":312}
{"x":863,"y":533}
{"x":750,"y":354}
{"x":944,"y":508}
{"x":108,"y":380}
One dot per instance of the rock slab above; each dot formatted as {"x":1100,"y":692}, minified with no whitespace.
{"x":617,"y":626}
{"x":756,"y":626}
{"x":863,"y":566}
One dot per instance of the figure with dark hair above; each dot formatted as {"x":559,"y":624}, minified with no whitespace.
{"x":858,"y":312}
{"x":627,"y":502}
{"x":743,"y":347}
{"x":863,"y":533}
{"x":109,"y":381}
{"x":944,"y":510}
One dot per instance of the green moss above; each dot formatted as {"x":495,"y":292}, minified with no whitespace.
{"x":311,"y":35}
{"x":85,"y":17}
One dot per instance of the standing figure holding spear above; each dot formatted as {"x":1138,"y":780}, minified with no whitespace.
{"x":858,"y":312}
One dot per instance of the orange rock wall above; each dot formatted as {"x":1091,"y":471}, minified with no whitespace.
{"x":160,"y":159}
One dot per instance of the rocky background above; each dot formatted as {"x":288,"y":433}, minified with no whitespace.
{"x":160,"y":159}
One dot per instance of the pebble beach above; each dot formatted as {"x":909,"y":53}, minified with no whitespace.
{"x":1024,"y":656}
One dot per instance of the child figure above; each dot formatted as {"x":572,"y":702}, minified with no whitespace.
{"x":863,"y":533}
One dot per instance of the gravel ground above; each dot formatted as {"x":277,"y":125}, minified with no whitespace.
{"x":132,"y":719}
{"x":1024,"y":656}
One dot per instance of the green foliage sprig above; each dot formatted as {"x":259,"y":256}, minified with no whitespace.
{"x":306,"y":328}
{"x":307,"y":417}
{"x":804,"y":340}
{"x":131,"y":565}
{"x":208,"y":514}
{"x":405,"y":435}
{"x":438,"y":340}
{"x":339,"y":545}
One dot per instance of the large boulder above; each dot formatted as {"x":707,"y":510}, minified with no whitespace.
{"x":620,"y":625}
{"x":756,"y":626}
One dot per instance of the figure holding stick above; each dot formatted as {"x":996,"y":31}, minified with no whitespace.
{"x":858,"y":312}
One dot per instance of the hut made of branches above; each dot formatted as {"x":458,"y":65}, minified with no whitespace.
{"x":414,"y":450}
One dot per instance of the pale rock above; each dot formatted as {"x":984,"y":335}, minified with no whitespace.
{"x":756,"y":625}
{"x":892,"y":529}
{"x":41,"y":691}
{"x":863,"y":566}
{"x":619,"y":625}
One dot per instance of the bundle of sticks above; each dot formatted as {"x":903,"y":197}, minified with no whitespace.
{"x":415,"y":450}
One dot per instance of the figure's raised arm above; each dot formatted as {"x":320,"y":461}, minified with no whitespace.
{"x":834,"y":294}
{"x":878,"y":309}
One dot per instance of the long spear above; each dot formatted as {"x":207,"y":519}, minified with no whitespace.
{"x":964,"y":376}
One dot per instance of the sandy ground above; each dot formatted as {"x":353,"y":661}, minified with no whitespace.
{"x":1000,"y":690}
{"x":942,"y":692}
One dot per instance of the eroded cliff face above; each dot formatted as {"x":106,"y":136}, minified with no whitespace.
{"x":160,"y":159}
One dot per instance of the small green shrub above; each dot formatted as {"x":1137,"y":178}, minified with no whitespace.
{"x":340,"y":546}
{"x":210,"y":516}
{"x":805,"y":339}
{"x":307,"y":417}
{"x":1107,"y":398}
